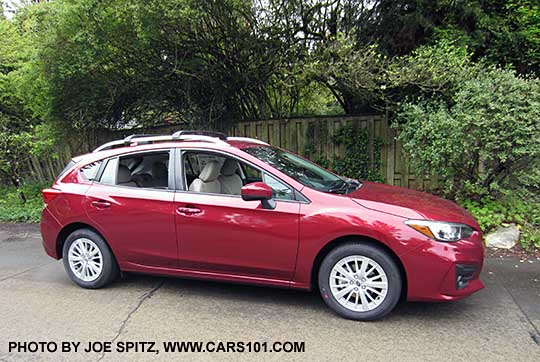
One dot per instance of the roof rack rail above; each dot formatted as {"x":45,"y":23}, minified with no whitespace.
{"x":185,"y":135}
{"x":109,"y":145}
{"x":220,"y":135}
{"x":203,"y":136}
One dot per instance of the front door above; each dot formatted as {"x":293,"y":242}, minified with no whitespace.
{"x":220,"y":232}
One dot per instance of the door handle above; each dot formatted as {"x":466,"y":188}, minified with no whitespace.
{"x":188,"y":210}
{"x":101,"y":204}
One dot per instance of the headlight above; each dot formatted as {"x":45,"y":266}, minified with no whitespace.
{"x":441,"y":231}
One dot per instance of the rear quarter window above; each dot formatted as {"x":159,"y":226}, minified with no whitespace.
{"x":89,"y":172}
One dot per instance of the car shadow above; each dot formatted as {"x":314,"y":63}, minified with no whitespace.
{"x":291,"y":298}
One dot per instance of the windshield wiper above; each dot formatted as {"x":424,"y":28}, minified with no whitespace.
{"x":345,"y":187}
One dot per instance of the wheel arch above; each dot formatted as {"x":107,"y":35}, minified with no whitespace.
{"x":71,"y":227}
{"x":356,"y":238}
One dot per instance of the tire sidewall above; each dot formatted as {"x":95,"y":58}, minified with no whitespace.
{"x":393,"y":276}
{"x":109,"y":270}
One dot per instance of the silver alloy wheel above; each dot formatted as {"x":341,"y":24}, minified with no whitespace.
{"x":358,"y":283}
{"x":85,"y":259}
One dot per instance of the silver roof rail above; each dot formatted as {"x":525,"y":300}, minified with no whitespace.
{"x":247,"y":139}
{"x":109,"y":145}
{"x":177,"y":136}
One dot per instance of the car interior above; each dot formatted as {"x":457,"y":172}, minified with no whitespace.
{"x":211,"y":173}
{"x":144,"y":170}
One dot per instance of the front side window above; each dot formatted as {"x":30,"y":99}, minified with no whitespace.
{"x":213,"y":173}
{"x":303,"y":171}
{"x":280,"y":190}
{"x":142,"y":170}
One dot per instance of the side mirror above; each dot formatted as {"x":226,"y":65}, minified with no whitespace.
{"x":259,"y":191}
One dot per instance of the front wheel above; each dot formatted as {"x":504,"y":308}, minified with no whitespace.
{"x":88,"y":260}
{"x":360,"y":281}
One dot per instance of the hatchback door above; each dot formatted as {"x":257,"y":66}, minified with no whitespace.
{"x":132,"y":204}
{"x":222,"y":233}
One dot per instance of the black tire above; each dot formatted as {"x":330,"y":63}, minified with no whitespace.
{"x":377,"y":254}
{"x":110,"y":270}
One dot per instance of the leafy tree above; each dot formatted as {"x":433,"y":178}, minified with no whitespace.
{"x":125,"y":62}
{"x":21,"y":131}
{"x":356,"y":77}
{"x":505,"y":32}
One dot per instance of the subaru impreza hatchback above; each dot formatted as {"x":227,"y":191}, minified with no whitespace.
{"x":203,"y":205}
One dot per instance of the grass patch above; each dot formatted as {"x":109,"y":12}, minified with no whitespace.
{"x":13,"y":209}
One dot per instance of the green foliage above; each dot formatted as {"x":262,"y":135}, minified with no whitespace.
{"x":503,"y":32}
{"x":526,"y":15}
{"x":524,"y":212}
{"x":429,"y":72}
{"x":482,"y":139}
{"x":13,"y":209}
{"x":120,"y":62}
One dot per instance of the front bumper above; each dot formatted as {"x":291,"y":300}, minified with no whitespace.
{"x":438,"y":271}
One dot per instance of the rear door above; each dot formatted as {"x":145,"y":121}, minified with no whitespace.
{"x":131,"y":202}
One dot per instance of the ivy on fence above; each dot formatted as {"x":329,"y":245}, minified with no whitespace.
{"x":362,"y":158}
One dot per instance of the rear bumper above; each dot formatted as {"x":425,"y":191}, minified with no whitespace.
{"x":50,"y":227}
{"x":444,"y":271}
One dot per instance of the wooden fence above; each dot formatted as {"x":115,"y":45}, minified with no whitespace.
{"x":291,"y":134}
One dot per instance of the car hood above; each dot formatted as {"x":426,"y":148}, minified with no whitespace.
{"x":410,"y":204}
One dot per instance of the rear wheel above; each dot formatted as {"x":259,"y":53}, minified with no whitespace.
{"x":360,"y":281}
{"x":88,"y":260}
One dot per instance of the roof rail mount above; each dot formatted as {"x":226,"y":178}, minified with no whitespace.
{"x":220,"y":135}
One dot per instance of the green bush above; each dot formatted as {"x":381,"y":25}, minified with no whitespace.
{"x":13,"y":209}
{"x":521,"y":210}
{"x":482,"y":142}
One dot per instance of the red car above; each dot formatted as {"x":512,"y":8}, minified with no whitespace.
{"x":204,"y":205}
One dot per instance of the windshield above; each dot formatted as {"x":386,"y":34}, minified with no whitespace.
{"x":303,"y":171}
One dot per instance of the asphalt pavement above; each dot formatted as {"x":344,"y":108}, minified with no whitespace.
{"x":38,"y":303}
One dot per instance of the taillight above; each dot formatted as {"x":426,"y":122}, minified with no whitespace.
{"x":49,"y":195}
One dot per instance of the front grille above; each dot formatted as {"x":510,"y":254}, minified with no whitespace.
{"x":464,"y":274}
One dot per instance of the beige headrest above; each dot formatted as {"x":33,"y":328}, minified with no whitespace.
{"x":229,"y":167}
{"x":210,"y":172}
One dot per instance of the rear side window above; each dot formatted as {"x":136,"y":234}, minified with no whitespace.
{"x":142,"y":170}
{"x":89,"y":172}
